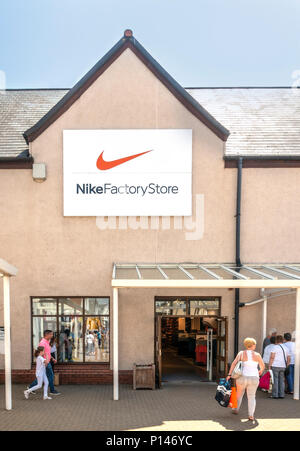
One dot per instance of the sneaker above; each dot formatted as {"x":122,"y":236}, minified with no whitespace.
{"x":32,"y":392}
{"x":26,"y":394}
{"x":55,"y":393}
{"x":46,"y":397}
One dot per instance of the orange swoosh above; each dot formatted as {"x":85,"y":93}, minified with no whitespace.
{"x":103,"y":165}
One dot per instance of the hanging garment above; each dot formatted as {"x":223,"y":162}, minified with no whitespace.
{"x":93,"y":323}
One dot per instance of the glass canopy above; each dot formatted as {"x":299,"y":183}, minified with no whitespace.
{"x":248,"y":275}
{"x":205,"y":271}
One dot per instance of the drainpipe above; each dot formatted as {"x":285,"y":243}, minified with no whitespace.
{"x":238,"y":254}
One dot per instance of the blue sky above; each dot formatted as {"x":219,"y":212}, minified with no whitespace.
{"x":53,"y":43}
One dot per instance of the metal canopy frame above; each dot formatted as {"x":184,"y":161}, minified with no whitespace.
{"x":207,"y":275}
{"x":7,"y":271}
{"x":202,"y":275}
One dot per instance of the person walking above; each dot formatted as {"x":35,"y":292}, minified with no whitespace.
{"x":267,"y":352}
{"x":249,"y":379}
{"x":279,"y":361}
{"x":267,"y":340}
{"x":290,"y":345}
{"x":40,"y":373}
{"x":48,"y":334}
{"x":53,"y":351}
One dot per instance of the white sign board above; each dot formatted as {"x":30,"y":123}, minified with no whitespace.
{"x":127,"y":172}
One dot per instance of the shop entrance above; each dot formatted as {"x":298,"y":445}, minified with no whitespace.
{"x":191,"y":340}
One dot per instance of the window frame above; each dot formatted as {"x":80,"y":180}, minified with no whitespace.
{"x":83,"y":316}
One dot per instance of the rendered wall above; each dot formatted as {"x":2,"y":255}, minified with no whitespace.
{"x":59,"y":256}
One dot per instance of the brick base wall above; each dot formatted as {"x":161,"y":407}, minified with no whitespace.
{"x":79,"y":374}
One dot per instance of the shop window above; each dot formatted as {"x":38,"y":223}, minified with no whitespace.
{"x":44,"y":307}
{"x":80,"y":325}
{"x":97,"y":339}
{"x":188,"y":306}
{"x":69,"y":339}
{"x":70,"y":306}
{"x":205,"y":307}
{"x":39,"y":324}
{"x":171,"y":307}
{"x":96,"y":306}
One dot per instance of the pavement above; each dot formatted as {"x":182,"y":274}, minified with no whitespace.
{"x":176,"y":407}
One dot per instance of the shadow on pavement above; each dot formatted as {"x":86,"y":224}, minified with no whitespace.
{"x":178,"y":407}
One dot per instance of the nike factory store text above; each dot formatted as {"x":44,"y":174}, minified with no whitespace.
{"x":141,"y":190}
{"x":128,"y":172}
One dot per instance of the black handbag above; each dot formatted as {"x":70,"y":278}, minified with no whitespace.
{"x":223,"y":395}
{"x":287,"y":367}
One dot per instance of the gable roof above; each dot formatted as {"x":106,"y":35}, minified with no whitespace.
{"x":127,"y":41}
{"x":263,"y":122}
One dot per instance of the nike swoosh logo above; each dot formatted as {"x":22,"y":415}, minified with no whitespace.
{"x":103,"y":165}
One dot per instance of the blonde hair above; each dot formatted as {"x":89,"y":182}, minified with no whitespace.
{"x":249,"y":342}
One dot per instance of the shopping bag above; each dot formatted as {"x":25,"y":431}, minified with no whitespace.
{"x":264,"y":382}
{"x":271,"y":377}
{"x":233,"y":399}
{"x":223,"y":395}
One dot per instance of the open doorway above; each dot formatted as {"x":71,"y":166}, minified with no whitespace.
{"x":186,"y":349}
{"x":189,"y":347}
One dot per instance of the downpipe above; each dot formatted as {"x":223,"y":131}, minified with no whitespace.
{"x":238,"y":254}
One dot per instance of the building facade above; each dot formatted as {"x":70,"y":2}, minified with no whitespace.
{"x":65,"y":262}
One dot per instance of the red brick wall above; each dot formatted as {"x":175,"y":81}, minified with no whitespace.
{"x":73,"y":374}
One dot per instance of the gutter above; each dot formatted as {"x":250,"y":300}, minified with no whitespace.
{"x":263,"y":161}
{"x":16,"y":162}
{"x":261,"y":157}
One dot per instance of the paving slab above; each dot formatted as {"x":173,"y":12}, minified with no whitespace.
{"x":176,"y":407}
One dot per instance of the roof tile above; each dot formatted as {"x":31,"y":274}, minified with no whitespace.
{"x":261,"y":121}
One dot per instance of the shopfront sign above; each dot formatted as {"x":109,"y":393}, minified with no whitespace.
{"x":127,"y":172}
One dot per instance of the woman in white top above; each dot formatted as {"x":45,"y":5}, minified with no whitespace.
{"x":40,"y":372}
{"x":250,"y":378}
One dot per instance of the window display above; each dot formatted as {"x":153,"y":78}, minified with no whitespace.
{"x":97,"y":339}
{"x":70,"y":339}
{"x":80,"y":326}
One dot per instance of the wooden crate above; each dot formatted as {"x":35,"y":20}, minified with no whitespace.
{"x":144,"y":376}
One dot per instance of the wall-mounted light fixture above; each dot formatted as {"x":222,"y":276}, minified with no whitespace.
{"x":39,"y":172}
